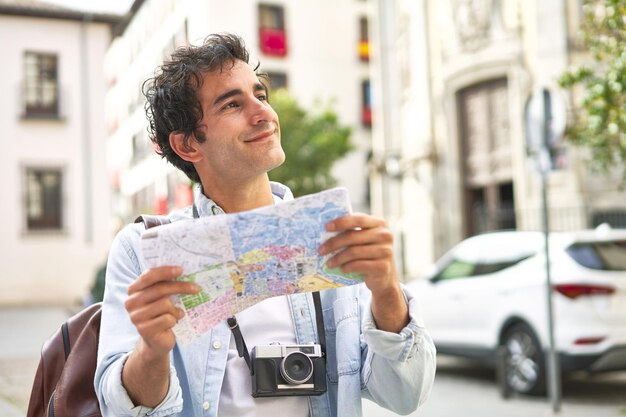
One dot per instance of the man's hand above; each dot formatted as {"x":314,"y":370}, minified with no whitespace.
{"x":146,"y":372}
{"x":365,"y":246}
{"x":151,"y":310}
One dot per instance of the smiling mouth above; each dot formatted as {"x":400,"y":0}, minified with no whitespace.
{"x":262,"y":136}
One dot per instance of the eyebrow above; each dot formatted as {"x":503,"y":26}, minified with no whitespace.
{"x":235,"y":92}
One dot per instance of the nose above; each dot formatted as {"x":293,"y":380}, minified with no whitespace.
{"x":261,"y":112}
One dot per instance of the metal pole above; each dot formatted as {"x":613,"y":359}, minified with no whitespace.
{"x":553,"y":374}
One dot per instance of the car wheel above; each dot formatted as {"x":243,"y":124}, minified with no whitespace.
{"x":524,"y":364}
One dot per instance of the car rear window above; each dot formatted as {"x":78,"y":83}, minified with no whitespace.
{"x":604,"y":256}
{"x":458,"y":268}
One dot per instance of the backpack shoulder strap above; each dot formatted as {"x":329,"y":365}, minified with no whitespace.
{"x":63,"y":384}
{"x":67,"y":364}
{"x":152,"y":220}
{"x":74,"y":394}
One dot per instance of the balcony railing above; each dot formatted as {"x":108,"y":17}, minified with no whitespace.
{"x":560,"y":218}
{"x":366,"y":116}
{"x":41,"y":103}
{"x":273,"y":41}
{"x":364,"y":50}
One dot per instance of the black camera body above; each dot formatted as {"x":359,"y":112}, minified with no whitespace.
{"x":287,"y":370}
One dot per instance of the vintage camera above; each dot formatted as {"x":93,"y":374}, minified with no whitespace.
{"x":282,"y":370}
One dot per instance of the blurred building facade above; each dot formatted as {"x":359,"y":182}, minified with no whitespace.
{"x":56,"y":208}
{"x":435,"y":92}
{"x":451,"y":81}
{"x":288,"y":38}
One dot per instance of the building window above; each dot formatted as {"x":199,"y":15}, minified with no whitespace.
{"x":278,"y":80}
{"x":366,"y":104}
{"x":364,"y":43}
{"x":179,"y":191}
{"x":272,"y":34}
{"x":142,"y":147}
{"x":44,"y":209}
{"x":144,"y":200}
{"x":41,"y":87}
{"x":179,"y":39}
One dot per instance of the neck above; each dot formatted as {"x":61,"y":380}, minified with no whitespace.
{"x":233,"y":198}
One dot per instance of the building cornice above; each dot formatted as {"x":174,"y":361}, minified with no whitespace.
{"x":43,"y":10}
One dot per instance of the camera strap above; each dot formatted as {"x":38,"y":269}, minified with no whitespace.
{"x":319,"y":318}
{"x":242,"y":349}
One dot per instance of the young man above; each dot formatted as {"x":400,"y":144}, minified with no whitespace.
{"x":209,"y":116}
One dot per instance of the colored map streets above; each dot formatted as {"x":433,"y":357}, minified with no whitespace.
{"x":242,"y":258}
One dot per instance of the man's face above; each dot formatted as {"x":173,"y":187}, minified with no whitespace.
{"x":241,"y":128}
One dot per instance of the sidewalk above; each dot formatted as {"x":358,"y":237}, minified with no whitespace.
{"x":23,"y":330}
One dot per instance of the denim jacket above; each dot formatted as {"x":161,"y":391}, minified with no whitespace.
{"x":394,"y":370}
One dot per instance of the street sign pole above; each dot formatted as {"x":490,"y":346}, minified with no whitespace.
{"x":552,"y":360}
{"x":542,"y":124}
{"x":554,"y":386}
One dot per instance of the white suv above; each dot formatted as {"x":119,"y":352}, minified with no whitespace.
{"x":489,"y":292}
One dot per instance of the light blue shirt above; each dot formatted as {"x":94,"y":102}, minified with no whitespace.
{"x":396,"y":370}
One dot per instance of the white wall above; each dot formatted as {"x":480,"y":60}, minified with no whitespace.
{"x":53,"y":267}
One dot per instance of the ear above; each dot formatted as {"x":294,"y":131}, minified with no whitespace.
{"x":186,"y":149}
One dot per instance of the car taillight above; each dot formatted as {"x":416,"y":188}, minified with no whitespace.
{"x":589,"y":340}
{"x":576,"y":290}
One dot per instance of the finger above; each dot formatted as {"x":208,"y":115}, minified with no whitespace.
{"x":154,"y":327}
{"x":162,"y":290}
{"x":369,"y":269}
{"x":355,"y":253}
{"x":159,"y":292}
{"x":375,"y":236}
{"x":153,"y":275}
{"x":353,"y":221}
{"x":141,"y":312}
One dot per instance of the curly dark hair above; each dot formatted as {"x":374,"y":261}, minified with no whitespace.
{"x":172,"y":104}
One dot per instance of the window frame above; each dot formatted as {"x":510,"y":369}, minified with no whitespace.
{"x":41,"y":79}
{"x":51,"y":222}
{"x":272,"y":31}
{"x":364,"y":40}
{"x":277,"y":80}
{"x":366,"y":103}
{"x":276,"y":13}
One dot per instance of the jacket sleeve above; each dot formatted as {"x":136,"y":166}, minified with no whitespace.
{"x":118,"y":335}
{"x":398,"y":368}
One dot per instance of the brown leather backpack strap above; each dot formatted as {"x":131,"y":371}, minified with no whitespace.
{"x":74,"y":394}
{"x":152,"y":220}
{"x":63,"y":385}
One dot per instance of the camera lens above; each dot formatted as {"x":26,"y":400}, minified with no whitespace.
{"x":296,"y":368}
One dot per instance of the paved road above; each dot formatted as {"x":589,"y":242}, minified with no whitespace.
{"x":23,"y":332}
{"x":461,"y":389}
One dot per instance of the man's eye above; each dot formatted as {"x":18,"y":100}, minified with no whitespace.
{"x":231,"y":105}
{"x":262,"y":97}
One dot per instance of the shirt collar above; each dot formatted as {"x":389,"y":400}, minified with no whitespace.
{"x":208,"y":207}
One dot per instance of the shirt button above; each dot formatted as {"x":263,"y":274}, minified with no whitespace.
{"x":205,"y":406}
{"x":217,"y":344}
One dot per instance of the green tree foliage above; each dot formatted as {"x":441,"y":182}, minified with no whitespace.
{"x":600,"y":85}
{"x":312,"y":144}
